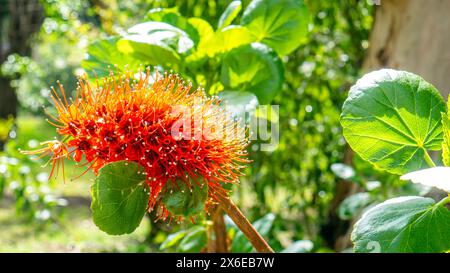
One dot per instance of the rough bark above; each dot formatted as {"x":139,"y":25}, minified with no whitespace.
{"x":412,"y":35}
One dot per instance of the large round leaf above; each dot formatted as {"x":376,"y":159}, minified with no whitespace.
{"x":224,"y":40}
{"x":104,"y":55}
{"x":280,"y":24}
{"x":156,"y":43}
{"x":391,"y":118}
{"x":254,"y":68}
{"x":119,"y":199}
{"x":148,"y":50}
{"x":172,"y":17}
{"x":163,"y":34}
{"x":404,"y":224}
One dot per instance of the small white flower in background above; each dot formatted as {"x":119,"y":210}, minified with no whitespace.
{"x":438,"y":177}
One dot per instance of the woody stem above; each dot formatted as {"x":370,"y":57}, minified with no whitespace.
{"x":244,"y":225}
{"x":220,"y":231}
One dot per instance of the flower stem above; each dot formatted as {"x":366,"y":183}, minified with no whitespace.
{"x":244,"y":225}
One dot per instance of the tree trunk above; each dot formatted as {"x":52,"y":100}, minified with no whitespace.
{"x":19,"y":20}
{"x":411,"y":35}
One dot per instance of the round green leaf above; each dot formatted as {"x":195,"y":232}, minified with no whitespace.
{"x":162,"y":34}
{"x":148,"y":50}
{"x":282,"y":25}
{"x":254,"y":68}
{"x":229,"y":14}
{"x":104,"y":55}
{"x":119,"y":199}
{"x":224,"y":40}
{"x":172,"y":17}
{"x":181,"y":200}
{"x":391,"y":118}
{"x":156,"y":43}
{"x":403,"y":224}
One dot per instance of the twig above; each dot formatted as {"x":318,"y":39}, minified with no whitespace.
{"x":244,"y":225}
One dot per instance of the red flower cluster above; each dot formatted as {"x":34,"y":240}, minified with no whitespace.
{"x":124,"y":119}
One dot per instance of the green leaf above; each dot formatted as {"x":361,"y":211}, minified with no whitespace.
{"x":240,"y":243}
{"x":203,"y":28}
{"x":172,"y":17}
{"x":162,"y":34}
{"x":353,"y":204}
{"x":238,"y":102}
{"x":403,"y":224}
{"x":254,"y":68}
{"x":181,"y":200}
{"x":194,"y":241}
{"x":156,"y":43}
{"x":119,"y":198}
{"x":224,"y":40}
{"x":230,"y":13}
{"x":148,"y":51}
{"x":172,"y":239}
{"x":281,"y":25}
{"x":205,"y":31}
{"x":104,"y":55}
{"x":392,"y":118}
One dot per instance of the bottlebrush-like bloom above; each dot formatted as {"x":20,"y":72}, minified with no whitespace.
{"x":135,"y":120}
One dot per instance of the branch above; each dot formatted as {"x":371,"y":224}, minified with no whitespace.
{"x":244,"y":225}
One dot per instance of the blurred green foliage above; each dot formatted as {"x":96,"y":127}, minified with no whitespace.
{"x":24,"y":178}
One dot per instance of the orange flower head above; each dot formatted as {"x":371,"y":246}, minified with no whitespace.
{"x":175,"y":134}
